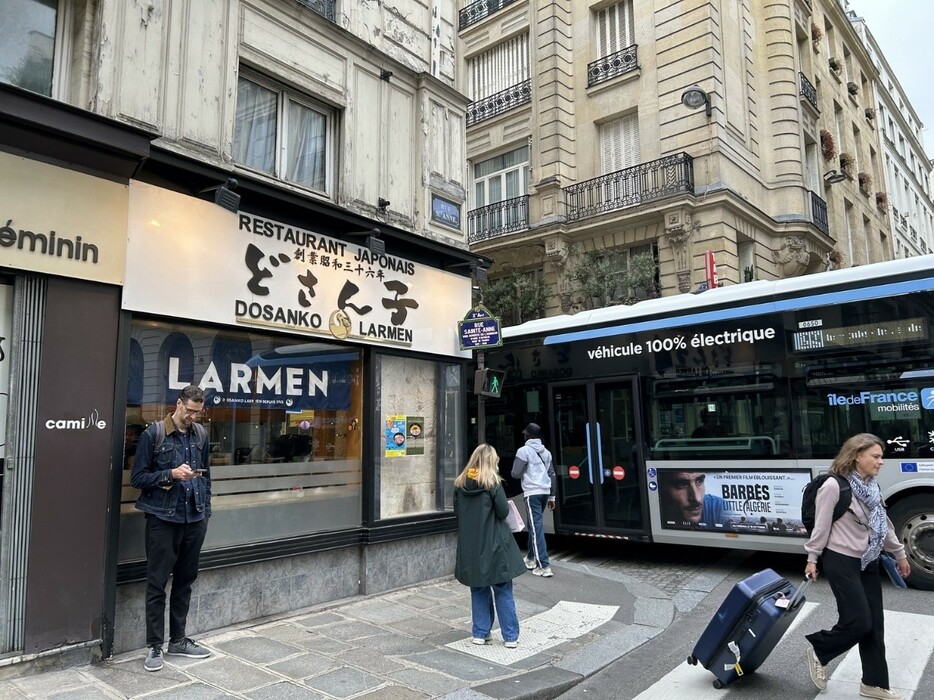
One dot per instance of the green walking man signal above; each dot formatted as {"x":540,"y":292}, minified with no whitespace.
{"x":488,"y":382}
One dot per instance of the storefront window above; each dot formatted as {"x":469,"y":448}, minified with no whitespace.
{"x":419,"y":452}
{"x":285,"y":422}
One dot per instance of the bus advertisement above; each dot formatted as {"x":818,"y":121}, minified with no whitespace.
{"x":698,"y":419}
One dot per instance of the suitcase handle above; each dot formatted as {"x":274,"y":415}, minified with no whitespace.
{"x":799,"y":592}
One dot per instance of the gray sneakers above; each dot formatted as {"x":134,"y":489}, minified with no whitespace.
{"x":871,"y":691}
{"x":817,"y":671}
{"x":190,"y":648}
{"x":545,"y":572}
{"x":153,"y":660}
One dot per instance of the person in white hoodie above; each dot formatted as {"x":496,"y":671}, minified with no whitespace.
{"x":533,"y":465}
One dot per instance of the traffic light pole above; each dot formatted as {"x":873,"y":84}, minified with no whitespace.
{"x":481,"y":409}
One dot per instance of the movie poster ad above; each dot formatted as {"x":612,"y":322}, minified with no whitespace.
{"x":751,"y":502}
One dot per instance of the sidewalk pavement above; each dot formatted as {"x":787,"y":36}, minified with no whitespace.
{"x":408,"y":644}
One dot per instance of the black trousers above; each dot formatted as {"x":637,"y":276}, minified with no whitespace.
{"x":171,"y":549}
{"x":859,"y":605}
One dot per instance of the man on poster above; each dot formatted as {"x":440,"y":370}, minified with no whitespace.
{"x":685,"y":501}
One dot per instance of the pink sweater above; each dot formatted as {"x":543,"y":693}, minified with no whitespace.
{"x":846,"y":535}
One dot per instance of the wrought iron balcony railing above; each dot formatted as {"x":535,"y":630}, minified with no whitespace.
{"x":914,"y":234}
{"x":610,"y":66}
{"x":476,"y":11}
{"x":325,"y":8}
{"x":500,"y":102}
{"x":498,"y":219}
{"x":641,"y":183}
{"x":808,"y":91}
{"x":819,"y":213}
{"x":903,"y":222}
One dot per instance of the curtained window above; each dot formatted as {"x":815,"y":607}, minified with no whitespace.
{"x":283,"y":135}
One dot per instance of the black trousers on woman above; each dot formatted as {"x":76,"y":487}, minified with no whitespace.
{"x":859,"y":605}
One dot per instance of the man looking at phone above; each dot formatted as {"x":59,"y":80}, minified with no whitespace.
{"x":172,"y":472}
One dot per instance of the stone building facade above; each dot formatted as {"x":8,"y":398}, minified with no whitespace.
{"x":673,"y":128}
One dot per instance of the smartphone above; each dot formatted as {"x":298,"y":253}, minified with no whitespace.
{"x":200,"y":471}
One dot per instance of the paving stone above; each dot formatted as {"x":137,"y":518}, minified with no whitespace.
{"x":653,"y":612}
{"x":231,"y":674}
{"x":284,"y":632}
{"x":393,"y":692}
{"x":606,"y":649}
{"x":394,"y":644}
{"x":304,"y":666}
{"x":347,"y":631}
{"x":418,"y":602}
{"x":319,"y":619}
{"x":421,"y":627}
{"x":192,"y":691}
{"x":259,"y":650}
{"x":451,"y":612}
{"x":429,"y":681}
{"x":366,"y":660}
{"x":452,"y":663}
{"x":323,"y":645}
{"x":129,"y":678}
{"x":378,"y":612}
{"x":46,"y":683}
{"x":89,"y":692}
{"x":284,"y":691}
{"x":344,"y":682}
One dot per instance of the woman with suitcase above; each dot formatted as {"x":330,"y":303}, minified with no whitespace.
{"x":849,"y":549}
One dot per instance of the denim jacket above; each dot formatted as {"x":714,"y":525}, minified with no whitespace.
{"x":159,"y":492}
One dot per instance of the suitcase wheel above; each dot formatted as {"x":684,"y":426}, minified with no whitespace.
{"x":718,"y":684}
{"x":692,"y":660}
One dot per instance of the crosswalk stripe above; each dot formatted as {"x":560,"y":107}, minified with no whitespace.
{"x":909,"y":643}
{"x":696,"y":682}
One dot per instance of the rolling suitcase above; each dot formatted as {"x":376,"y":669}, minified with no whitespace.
{"x":748,"y":625}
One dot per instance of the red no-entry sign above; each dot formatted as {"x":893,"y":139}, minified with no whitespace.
{"x":619,"y":473}
{"x":573,"y":471}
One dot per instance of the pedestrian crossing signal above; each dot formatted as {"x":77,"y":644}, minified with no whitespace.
{"x":488,"y":382}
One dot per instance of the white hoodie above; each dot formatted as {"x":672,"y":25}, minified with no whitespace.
{"x":533,"y":465}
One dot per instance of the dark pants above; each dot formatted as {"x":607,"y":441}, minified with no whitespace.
{"x":171,"y":548}
{"x":859,"y":605}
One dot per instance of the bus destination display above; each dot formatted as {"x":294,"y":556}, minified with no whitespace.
{"x":901,"y":331}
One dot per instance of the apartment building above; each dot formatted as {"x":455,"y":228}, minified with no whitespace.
{"x":261,"y":197}
{"x":671,"y":127}
{"x":906,"y":169}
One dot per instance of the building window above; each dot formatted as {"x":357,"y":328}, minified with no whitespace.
{"x":501,"y":67}
{"x":284,"y":418}
{"x":420,"y":449}
{"x":500,"y":178}
{"x":746,"y":252}
{"x":615,"y":28}
{"x":27,"y":30}
{"x":284,"y":134}
{"x":619,"y":141}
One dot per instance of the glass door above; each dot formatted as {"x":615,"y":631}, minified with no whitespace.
{"x":597,"y":457}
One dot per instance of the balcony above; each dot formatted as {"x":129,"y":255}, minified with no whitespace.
{"x":819,"y":213}
{"x":641,"y":183}
{"x":498,"y":219}
{"x":902,"y":222}
{"x":614,"y":64}
{"x":914,"y":233}
{"x":325,"y":8}
{"x":808,"y":92}
{"x":476,"y":11}
{"x":500,"y":102}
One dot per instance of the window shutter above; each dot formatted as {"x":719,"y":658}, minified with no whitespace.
{"x":610,"y":138}
{"x":615,"y":28}
{"x":499,"y":68}
{"x":630,"y":138}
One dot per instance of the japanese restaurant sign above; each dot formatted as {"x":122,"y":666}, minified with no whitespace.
{"x":190,"y":259}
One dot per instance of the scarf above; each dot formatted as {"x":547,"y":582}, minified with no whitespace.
{"x":869,"y":493}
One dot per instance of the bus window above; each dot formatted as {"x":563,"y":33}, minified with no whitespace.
{"x":714,"y":418}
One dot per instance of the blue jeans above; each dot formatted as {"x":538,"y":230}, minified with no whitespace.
{"x":535,"y":507}
{"x":481,"y":611}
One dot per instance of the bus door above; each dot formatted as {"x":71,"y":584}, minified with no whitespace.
{"x":597,"y":458}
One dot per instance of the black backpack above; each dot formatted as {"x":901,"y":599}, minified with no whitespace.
{"x":810,"y":496}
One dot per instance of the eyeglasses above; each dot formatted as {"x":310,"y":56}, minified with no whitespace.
{"x":193,"y":411}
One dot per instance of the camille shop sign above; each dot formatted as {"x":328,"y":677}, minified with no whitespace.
{"x":61,"y":222}
{"x":188,"y":258}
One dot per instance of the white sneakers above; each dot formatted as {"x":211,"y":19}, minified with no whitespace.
{"x":871,"y":691}
{"x":818,"y":672}
{"x":480,"y":641}
{"x":545,"y":572}
{"x":529,"y":564}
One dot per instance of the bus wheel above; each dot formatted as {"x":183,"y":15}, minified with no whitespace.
{"x":913,"y":519}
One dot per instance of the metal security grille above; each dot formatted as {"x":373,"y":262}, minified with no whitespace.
{"x":20,"y":465}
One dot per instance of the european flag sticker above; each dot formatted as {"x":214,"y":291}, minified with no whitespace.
{"x":910,"y":467}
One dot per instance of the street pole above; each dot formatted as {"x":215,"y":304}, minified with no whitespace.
{"x":481,"y":409}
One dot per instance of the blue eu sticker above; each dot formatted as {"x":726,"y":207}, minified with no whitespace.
{"x":911,"y":467}
{"x":927,"y":397}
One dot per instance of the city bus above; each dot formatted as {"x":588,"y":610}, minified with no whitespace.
{"x":698,"y":419}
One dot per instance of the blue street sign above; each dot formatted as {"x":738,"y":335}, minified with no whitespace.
{"x":479,"y":333}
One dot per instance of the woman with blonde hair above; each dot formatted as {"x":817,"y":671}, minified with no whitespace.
{"x":849,"y":550}
{"x":488,"y":558}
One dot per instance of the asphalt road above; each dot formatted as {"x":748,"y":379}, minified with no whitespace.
{"x":698,"y":579}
